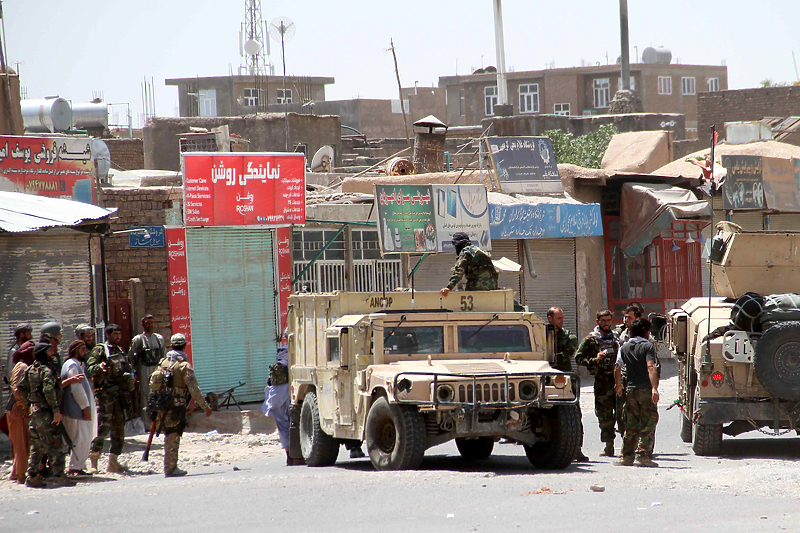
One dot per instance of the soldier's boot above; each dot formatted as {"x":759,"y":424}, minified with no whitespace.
{"x":609,"y":450}
{"x":94,"y":457}
{"x":114,"y":466}
{"x":646,"y":462}
{"x":580,"y":457}
{"x":63,"y":481}
{"x":35,"y":482}
{"x":176,"y":472}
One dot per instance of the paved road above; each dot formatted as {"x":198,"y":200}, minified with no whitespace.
{"x":753,"y":487}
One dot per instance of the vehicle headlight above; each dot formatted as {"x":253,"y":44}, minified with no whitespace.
{"x":445,"y":393}
{"x":560,"y":381}
{"x":528,"y":390}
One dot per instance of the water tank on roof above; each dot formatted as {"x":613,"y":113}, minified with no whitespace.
{"x":90,"y":115}
{"x":49,"y":115}
{"x":658,"y":56}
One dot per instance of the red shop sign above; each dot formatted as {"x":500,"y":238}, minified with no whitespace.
{"x":250,"y":189}
{"x":178,"y":285}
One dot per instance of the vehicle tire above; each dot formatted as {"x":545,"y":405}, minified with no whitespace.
{"x":562,"y":426}
{"x":319,"y":448}
{"x":395,"y":436}
{"x":475,"y":449}
{"x":776,"y":361}
{"x":687,"y":413}
{"x":706,"y":438}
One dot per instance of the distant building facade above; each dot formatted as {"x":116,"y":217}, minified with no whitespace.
{"x":576,"y":91}
{"x":232,"y":96}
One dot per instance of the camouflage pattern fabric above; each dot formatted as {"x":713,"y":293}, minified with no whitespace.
{"x":566,"y":344}
{"x":172,"y":443}
{"x":476,"y":265}
{"x":112,"y":392}
{"x":46,"y":441}
{"x":641,"y":417}
{"x":607,"y":405}
{"x":110,"y":420}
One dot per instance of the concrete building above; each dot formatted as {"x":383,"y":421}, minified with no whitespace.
{"x":662,"y":88}
{"x":230,"y":96}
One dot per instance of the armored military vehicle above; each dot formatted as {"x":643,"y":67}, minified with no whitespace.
{"x":739,"y":353}
{"x":407,"y":371}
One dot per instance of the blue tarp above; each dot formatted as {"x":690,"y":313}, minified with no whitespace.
{"x":542,"y":218}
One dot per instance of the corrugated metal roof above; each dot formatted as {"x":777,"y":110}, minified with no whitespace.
{"x":21,"y":212}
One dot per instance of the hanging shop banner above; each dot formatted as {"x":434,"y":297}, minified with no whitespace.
{"x":781,"y":184}
{"x":146,"y":237}
{"x":58,"y":167}
{"x":284,"y":236}
{"x":524,"y":164}
{"x":423,"y":218}
{"x":244,"y":189}
{"x":178,"y":285}
{"x":743,"y":187}
{"x":524,"y":220}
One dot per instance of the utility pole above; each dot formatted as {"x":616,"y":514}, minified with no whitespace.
{"x":500,"y":51}
{"x":400,"y":91}
{"x":625,"y":52}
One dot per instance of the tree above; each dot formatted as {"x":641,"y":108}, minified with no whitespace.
{"x":585,"y":151}
{"x":769,"y":82}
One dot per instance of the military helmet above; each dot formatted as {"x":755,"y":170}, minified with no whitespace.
{"x":179,"y":339}
{"x":51,"y":328}
{"x":80,"y":329}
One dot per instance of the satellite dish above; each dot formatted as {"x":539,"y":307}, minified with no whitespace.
{"x":102,"y":159}
{"x":282,"y":29}
{"x":322,"y":160}
{"x":252,"y":47}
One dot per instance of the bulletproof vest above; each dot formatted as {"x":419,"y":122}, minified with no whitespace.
{"x":174,"y":381}
{"x":607,"y":343}
{"x":33,"y":374}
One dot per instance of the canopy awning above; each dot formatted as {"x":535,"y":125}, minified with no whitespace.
{"x":648,"y":209}
{"x":20,"y":212}
{"x":542,"y":217}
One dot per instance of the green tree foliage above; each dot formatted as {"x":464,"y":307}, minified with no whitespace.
{"x":585,"y":151}
{"x":769,"y":82}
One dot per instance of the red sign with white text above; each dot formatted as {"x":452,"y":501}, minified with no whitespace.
{"x":58,"y":167}
{"x":284,"y":272}
{"x":249,"y":189}
{"x":178,"y":285}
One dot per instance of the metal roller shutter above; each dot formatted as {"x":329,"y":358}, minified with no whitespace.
{"x":44,"y":277}
{"x":509,"y":249}
{"x":748,"y":220}
{"x":232,"y":303}
{"x":785,"y":222}
{"x":434,"y":272}
{"x":554,"y":262}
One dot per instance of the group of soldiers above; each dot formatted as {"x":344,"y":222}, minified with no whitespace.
{"x":618,"y":402}
{"x":58,"y":409}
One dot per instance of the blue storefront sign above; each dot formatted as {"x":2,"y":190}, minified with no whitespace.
{"x":524,"y":220}
{"x":149,"y":237}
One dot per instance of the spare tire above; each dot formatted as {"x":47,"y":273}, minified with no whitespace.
{"x":776,"y":361}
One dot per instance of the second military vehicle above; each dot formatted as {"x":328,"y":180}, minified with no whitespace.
{"x":407,"y":371}
{"x":739,"y":353}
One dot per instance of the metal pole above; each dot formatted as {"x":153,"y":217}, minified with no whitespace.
{"x":400,"y":90}
{"x":285,"y":102}
{"x":623,"y":30}
{"x":502,"y":89}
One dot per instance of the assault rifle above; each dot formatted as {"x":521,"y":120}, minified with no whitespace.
{"x":227,"y":397}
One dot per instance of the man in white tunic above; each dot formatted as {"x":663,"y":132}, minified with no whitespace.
{"x":78,"y":408}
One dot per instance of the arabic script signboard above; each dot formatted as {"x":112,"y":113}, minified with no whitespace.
{"x":423,"y":218}
{"x":152,"y":237}
{"x":178,"y":285}
{"x":781,"y":185}
{"x":284,"y":272}
{"x":57,"y":167}
{"x":244,"y":189}
{"x":524,"y":164}
{"x":743,"y":188}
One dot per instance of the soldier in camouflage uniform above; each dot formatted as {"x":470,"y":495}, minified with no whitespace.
{"x":566,"y":344}
{"x":473,"y":264}
{"x":172,"y":384}
{"x":113,"y":380}
{"x":41,"y":384}
{"x":638,"y":356}
{"x":598,"y":353}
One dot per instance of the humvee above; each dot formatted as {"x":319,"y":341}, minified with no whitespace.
{"x":747,"y":376}
{"x":407,"y":371}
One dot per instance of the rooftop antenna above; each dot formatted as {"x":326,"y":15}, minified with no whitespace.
{"x":796,"y":75}
{"x":282,"y":30}
{"x":252,"y":46}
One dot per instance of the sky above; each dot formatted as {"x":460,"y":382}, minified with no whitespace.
{"x":77,"y":48}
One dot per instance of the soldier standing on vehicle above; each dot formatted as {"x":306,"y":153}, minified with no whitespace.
{"x":147,"y":350}
{"x":113,"y":380}
{"x":41,"y":385}
{"x":566,"y":344}
{"x":473,"y":264}
{"x":173,"y":382}
{"x":638,"y":356}
{"x":598,"y":353}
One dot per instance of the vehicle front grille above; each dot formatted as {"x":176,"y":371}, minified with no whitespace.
{"x":486,"y":392}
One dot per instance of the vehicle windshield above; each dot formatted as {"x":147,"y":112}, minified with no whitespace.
{"x":412,"y":340}
{"x":483,"y":339}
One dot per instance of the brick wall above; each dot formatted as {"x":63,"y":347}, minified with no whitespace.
{"x":126,"y":154}
{"x":746,"y":104}
{"x":141,"y":207}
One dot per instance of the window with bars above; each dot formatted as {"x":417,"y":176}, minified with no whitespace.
{"x":664,"y":85}
{"x":490,"y":97}
{"x":602,"y":91}
{"x":529,"y":98}
{"x":284,"y":96}
{"x":688,"y":86}
{"x":251,"y":97}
